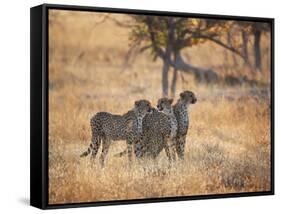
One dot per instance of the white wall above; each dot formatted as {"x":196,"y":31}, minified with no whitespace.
{"x":14,"y":113}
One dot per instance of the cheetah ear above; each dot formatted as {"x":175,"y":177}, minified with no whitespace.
{"x":137,"y":103}
{"x":182,"y":95}
{"x":171,"y":100}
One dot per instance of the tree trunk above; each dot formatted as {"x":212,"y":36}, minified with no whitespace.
{"x":174,"y":82}
{"x":165,"y":83}
{"x":233,"y":55}
{"x":167,"y":56}
{"x":257,"y":49}
{"x":245,"y":47}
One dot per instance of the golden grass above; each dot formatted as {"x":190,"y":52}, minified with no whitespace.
{"x":228,"y":144}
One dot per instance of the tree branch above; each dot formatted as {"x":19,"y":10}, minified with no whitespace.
{"x":159,"y":51}
{"x":230,"y":48}
{"x":212,"y":38}
{"x":121,"y":24}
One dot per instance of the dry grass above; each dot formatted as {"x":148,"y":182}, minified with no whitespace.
{"x":228,"y":144}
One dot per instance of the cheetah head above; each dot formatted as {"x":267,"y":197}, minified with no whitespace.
{"x":188,"y":97}
{"x":165,"y":105}
{"x":142,"y":107}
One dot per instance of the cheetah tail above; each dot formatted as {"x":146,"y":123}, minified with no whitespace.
{"x":86,"y":153}
{"x":120,"y":154}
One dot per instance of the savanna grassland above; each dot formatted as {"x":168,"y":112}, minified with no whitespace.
{"x":228,"y":143}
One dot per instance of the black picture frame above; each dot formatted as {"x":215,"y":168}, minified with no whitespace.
{"x":39,"y":105}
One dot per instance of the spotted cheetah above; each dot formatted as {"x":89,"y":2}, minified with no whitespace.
{"x":159,"y":128}
{"x":181,"y":113}
{"x":154,"y":141}
{"x":107,"y":127}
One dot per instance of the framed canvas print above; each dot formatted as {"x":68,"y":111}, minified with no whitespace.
{"x":132,"y":106}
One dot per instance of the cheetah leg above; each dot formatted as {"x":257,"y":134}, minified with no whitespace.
{"x":167,"y":151}
{"x":139,"y":147}
{"x":173,"y":149}
{"x":105,"y":149}
{"x":95,"y":145}
{"x":180,"y":146}
{"x":129,"y":150}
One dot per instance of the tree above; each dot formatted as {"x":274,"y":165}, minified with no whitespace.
{"x":256,"y":29}
{"x":166,"y":37}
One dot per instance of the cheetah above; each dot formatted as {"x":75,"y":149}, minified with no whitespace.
{"x":159,"y":128}
{"x":154,"y":141}
{"x":181,"y":113}
{"x":107,"y":127}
